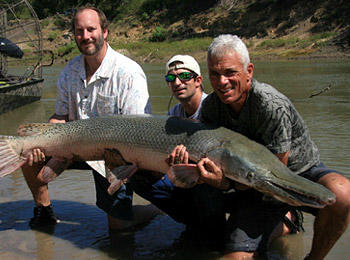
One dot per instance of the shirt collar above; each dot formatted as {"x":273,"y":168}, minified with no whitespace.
{"x":104,"y":70}
{"x":101,"y":72}
{"x":252,"y":86}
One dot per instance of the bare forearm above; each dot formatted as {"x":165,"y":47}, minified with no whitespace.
{"x":283,"y":157}
{"x":58,"y":119}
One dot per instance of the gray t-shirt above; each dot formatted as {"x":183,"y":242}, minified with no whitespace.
{"x":178,"y":110}
{"x":269,"y":118}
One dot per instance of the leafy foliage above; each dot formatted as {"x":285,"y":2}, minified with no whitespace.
{"x":158,"y":35}
{"x":114,"y":8}
{"x":46,"y":8}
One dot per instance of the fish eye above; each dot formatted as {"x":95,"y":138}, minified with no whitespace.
{"x":250,"y":175}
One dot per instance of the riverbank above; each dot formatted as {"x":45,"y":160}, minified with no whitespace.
{"x":273,"y":30}
{"x":159,"y":52}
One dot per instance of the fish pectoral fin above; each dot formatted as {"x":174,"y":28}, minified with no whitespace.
{"x":33,"y":129}
{"x":115,"y":185}
{"x":184,"y":175}
{"x":118,"y":176}
{"x":124,"y":171}
{"x":121,"y":169}
{"x":54,"y":167}
{"x":113,"y":158}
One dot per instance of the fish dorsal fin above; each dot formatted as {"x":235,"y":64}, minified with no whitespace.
{"x":33,"y":129}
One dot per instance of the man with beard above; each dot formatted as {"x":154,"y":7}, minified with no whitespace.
{"x":99,"y":82}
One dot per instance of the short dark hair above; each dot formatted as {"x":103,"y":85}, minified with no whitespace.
{"x":103,"y":20}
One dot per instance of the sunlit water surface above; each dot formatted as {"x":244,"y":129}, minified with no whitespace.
{"x":83,"y":234}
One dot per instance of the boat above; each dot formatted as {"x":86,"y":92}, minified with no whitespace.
{"x":21,"y":55}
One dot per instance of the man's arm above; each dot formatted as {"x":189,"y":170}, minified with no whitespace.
{"x":58,"y":119}
{"x":212,"y":174}
{"x":134,"y":94}
{"x":283,"y":157}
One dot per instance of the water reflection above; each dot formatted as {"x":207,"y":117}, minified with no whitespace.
{"x":83,"y":232}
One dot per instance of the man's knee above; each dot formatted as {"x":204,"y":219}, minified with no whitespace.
{"x":340,"y":186}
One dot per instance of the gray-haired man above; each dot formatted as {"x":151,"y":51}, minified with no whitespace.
{"x":260,"y":112}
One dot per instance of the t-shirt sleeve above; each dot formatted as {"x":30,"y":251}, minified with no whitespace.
{"x":276,"y":127}
{"x":207,"y":113}
{"x":175,"y":111}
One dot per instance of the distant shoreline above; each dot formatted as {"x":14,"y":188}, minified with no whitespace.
{"x":332,"y":53}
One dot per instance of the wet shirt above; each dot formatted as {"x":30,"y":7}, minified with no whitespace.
{"x":119,"y":86}
{"x":178,"y":110}
{"x":269,"y":118}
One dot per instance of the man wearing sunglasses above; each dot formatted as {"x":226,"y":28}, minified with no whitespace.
{"x":200,"y":208}
{"x":202,"y":205}
{"x":183,"y":77}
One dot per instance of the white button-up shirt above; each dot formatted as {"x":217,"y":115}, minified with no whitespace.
{"x":119,"y":86}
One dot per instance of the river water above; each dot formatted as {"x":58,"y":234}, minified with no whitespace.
{"x":83,"y":234}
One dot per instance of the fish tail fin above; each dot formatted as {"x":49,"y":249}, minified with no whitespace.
{"x":10,"y":154}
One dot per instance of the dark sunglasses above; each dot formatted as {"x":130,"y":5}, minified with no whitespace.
{"x":183,"y":76}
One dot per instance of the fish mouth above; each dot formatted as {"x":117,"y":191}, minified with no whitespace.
{"x":296,"y":197}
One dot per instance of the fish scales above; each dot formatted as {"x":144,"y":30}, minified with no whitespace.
{"x":150,"y":134}
{"x":147,"y":140}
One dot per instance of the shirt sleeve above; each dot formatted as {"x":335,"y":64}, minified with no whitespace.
{"x":135,"y":97}
{"x":62,"y":99}
{"x":209,"y":110}
{"x":175,"y":111}
{"x":276,"y":127}
{"x":170,"y":112}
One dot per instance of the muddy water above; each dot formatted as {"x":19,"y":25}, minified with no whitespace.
{"x":82,"y":234}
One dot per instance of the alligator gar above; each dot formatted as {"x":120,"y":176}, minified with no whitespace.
{"x":146,"y":141}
